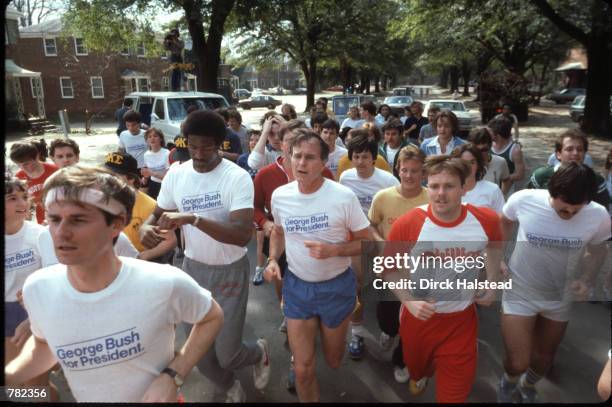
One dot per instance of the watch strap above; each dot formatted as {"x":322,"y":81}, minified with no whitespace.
{"x":178,"y":380}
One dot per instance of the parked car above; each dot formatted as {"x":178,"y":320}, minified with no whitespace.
{"x":259,"y":101}
{"x":576,"y":109}
{"x":403,"y":91}
{"x":167,"y":110}
{"x":341,"y":104}
{"x":566,"y":95}
{"x":300,"y":91}
{"x":465,"y":118}
{"x":397,"y":103}
{"x":242,"y":93}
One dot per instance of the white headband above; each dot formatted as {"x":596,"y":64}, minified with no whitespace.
{"x":89,"y":196}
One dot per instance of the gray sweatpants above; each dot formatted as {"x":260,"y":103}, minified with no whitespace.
{"x":229,"y":285}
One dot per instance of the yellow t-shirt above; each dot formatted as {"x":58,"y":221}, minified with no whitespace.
{"x":143,"y":208}
{"x":388,"y":205}
{"x":346,"y":164}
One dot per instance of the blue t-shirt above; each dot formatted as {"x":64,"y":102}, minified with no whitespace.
{"x":231,"y":144}
{"x":243,"y":163}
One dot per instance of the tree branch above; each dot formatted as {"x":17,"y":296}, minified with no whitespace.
{"x":570,"y":29}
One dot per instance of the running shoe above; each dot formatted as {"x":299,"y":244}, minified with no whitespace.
{"x":235,"y":394}
{"x":261,"y":370}
{"x":291,"y":378}
{"x":258,"y":278}
{"x":355,"y":347}
{"x":385,"y":341}
{"x":505,"y":391}
{"x":416,"y":387}
{"x":528,"y":394}
{"x":401,"y":374}
{"x":283,"y":326}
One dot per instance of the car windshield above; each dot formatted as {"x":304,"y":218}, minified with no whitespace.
{"x":579,"y":101}
{"x":177,"y":107}
{"x":453,"y":106}
{"x":399,"y":100}
{"x":342,"y":105}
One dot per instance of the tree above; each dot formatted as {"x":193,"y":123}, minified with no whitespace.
{"x":35,"y":10}
{"x":307,"y":30}
{"x":113,"y":24}
{"x":596,"y":37}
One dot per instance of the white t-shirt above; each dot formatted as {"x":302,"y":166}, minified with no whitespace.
{"x":546,"y":242}
{"x":323,"y":216}
{"x":212,"y":195}
{"x":123,"y":247}
{"x":135,"y":145}
{"x":391,"y":153}
{"x":366,"y":188}
{"x":22,"y":257}
{"x":497,"y":170}
{"x":334,"y":158}
{"x":352,"y":123}
{"x":257,"y":160}
{"x":113,"y":343}
{"x":485,"y":193}
{"x":157,"y":162}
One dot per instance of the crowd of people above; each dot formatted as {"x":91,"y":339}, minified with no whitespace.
{"x":90,"y":286}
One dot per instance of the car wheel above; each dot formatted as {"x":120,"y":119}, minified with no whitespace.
{"x":271,"y":107}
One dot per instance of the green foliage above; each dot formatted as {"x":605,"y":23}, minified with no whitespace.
{"x":111,"y":26}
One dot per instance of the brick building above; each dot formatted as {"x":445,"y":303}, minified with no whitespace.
{"x":75,"y":79}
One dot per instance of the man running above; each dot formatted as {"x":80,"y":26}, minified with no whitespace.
{"x":365,"y":180}
{"x":509,"y":150}
{"x":212,"y":200}
{"x":439,"y":329}
{"x":319,"y":285}
{"x":113,"y":329}
{"x":554,"y":226}
{"x":388,"y":205}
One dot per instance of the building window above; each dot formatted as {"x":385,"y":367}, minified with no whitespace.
{"x":165,"y":84}
{"x":79,"y":46}
{"x":140,"y":49}
{"x":143,"y":85}
{"x":192,"y":84}
{"x":66,"y":87}
{"x":50,"y":47}
{"x":97,"y":87}
{"x":36,"y":87}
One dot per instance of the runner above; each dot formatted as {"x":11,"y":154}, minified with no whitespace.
{"x":365,"y":181}
{"x":447,"y":125}
{"x":132,"y":140}
{"x":113,"y":330}
{"x":268,"y":147}
{"x":156,"y":161}
{"x":212,"y":200}
{"x":439,"y":331}
{"x":509,"y":150}
{"x":29,"y":157}
{"x":329,"y":133}
{"x":346,"y":164}
{"x":553,"y":226}
{"x":319,"y":287}
{"x":478,"y":192}
{"x":22,"y":257}
{"x":394,"y":141}
{"x":496,"y":168}
{"x":571,"y":145}
{"x":388,"y":205}
{"x":64,"y":152}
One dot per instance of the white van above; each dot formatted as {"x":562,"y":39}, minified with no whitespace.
{"x":167,"y":110}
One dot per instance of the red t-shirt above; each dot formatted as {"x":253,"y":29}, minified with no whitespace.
{"x":35,"y":187}
{"x":266,"y":181}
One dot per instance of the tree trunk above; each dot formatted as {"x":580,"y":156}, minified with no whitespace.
{"x":599,"y":88}
{"x":444,"y":78}
{"x":362,"y":83}
{"x":466,"y":70}
{"x":367,"y":85}
{"x":454,"y":78}
{"x":345,"y":74}
{"x":310,"y":73}
{"x":377,"y":84}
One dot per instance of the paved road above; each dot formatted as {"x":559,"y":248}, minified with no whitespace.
{"x":573,"y":378}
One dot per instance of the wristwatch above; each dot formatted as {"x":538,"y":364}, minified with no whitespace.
{"x":178,"y":380}
{"x":195,"y":219}
{"x":269,"y":260}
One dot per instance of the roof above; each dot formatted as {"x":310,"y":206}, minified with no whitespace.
{"x":571,"y":66}
{"x":174,"y":94}
{"x":51,"y":26}
{"x":130,"y":73}
{"x":12,"y":13}
{"x":12,"y":70}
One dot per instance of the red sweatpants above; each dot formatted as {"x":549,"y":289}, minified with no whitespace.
{"x":446,"y":344}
